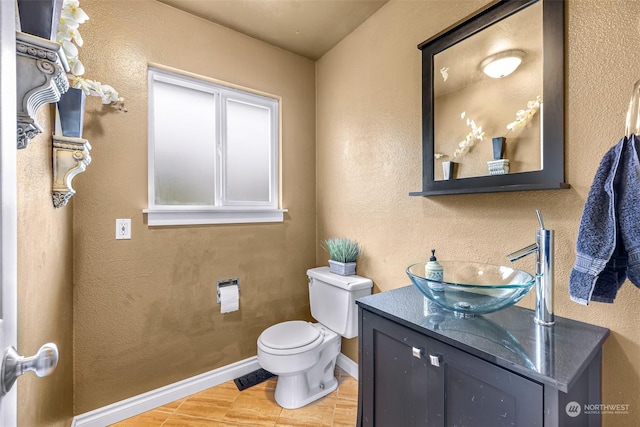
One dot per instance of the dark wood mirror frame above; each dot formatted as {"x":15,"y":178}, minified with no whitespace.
{"x":551,"y":176}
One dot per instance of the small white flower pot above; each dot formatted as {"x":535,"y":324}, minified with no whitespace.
{"x":498,"y":167}
{"x":342,"y":268}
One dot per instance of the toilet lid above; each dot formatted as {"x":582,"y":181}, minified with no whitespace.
{"x":293,"y":334}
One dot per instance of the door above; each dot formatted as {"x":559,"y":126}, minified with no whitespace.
{"x":394,"y":381}
{"x":479,"y":393}
{"x":8,"y":213}
{"x":401,"y":387}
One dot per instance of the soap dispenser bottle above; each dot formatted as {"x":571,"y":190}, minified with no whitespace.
{"x":433,"y":269}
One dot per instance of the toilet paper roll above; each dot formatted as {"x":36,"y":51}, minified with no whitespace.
{"x":229,"y":299}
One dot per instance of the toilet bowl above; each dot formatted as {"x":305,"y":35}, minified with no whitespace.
{"x":303,"y":354}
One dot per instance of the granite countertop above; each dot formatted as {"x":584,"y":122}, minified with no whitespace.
{"x":554,"y":355}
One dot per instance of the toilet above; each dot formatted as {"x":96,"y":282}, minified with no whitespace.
{"x":303,"y":354}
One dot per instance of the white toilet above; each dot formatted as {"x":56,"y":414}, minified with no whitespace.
{"x":302,"y":354}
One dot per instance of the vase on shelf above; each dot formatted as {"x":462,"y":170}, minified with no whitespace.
{"x":40,"y":17}
{"x":499,"y":165}
{"x":71,"y":112}
{"x":449,"y":170}
{"x":499,"y":145}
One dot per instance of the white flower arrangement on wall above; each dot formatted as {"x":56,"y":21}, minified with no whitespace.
{"x":523,"y":116}
{"x":70,"y":39}
{"x":469,"y":140}
{"x":477,"y":134}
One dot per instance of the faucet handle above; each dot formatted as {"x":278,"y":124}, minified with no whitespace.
{"x":514,"y":256}
{"x":540,"y":219}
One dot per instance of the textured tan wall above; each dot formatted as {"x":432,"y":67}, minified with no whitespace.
{"x":45,"y":300}
{"x":369,"y":159}
{"x":145,"y":310}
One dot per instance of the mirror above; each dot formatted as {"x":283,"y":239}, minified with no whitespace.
{"x":486,"y":129}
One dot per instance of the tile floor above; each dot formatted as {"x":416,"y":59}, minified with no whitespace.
{"x":225,"y":406}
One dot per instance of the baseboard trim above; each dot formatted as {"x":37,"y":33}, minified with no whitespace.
{"x":347,"y":365}
{"x":136,"y":405}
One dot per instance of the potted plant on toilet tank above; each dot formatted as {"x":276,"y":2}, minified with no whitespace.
{"x":343,"y":254}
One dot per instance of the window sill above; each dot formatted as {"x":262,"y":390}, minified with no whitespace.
{"x":165,"y":217}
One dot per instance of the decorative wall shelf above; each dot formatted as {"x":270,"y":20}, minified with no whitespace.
{"x":41,"y":79}
{"x":70,"y":157}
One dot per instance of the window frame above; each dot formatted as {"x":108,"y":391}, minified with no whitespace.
{"x":223,"y":211}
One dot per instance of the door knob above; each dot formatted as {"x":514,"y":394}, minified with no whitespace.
{"x":42,"y":363}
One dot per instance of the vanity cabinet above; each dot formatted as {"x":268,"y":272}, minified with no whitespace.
{"x":412,"y":374}
{"x":422,"y":366}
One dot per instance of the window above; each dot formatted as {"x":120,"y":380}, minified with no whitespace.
{"x":213,"y":153}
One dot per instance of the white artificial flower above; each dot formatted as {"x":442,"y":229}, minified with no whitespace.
{"x":445,"y":73}
{"x":71,"y":10}
{"x":70,"y":39}
{"x":62,"y":37}
{"x":76,"y":37}
{"x":70,"y":49}
{"x":76,"y":66}
{"x":109,"y":94}
{"x":82,"y":84}
{"x":66,"y":23}
{"x":523,"y":116}
{"x":64,"y":31}
{"x":95,"y":88}
{"x":469,"y":140}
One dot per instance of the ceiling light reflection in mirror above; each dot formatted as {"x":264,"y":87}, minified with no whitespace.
{"x":502,"y":64}
{"x":475,"y":101}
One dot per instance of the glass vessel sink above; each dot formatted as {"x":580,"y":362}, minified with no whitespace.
{"x":470,"y":288}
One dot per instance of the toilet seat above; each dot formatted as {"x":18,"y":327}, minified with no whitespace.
{"x":290,"y":337}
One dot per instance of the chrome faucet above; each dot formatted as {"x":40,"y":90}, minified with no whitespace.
{"x":543,"y":248}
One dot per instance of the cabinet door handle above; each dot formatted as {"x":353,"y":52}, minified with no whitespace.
{"x":417,"y":352}
{"x":435,"y":360}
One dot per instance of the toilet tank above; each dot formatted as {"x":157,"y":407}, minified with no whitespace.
{"x":333,"y":297}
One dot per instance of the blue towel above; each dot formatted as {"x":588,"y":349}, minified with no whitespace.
{"x":628,"y":211}
{"x":608,"y":246}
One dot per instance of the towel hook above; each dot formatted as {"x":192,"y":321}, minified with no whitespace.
{"x":632,"y":125}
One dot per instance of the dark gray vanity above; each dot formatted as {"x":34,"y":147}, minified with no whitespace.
{"x":420,"y":365}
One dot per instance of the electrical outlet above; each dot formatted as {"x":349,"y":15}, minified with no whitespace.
{"x":123,"y":228}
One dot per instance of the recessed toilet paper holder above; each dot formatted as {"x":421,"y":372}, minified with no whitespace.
{"x":226,"y":282}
